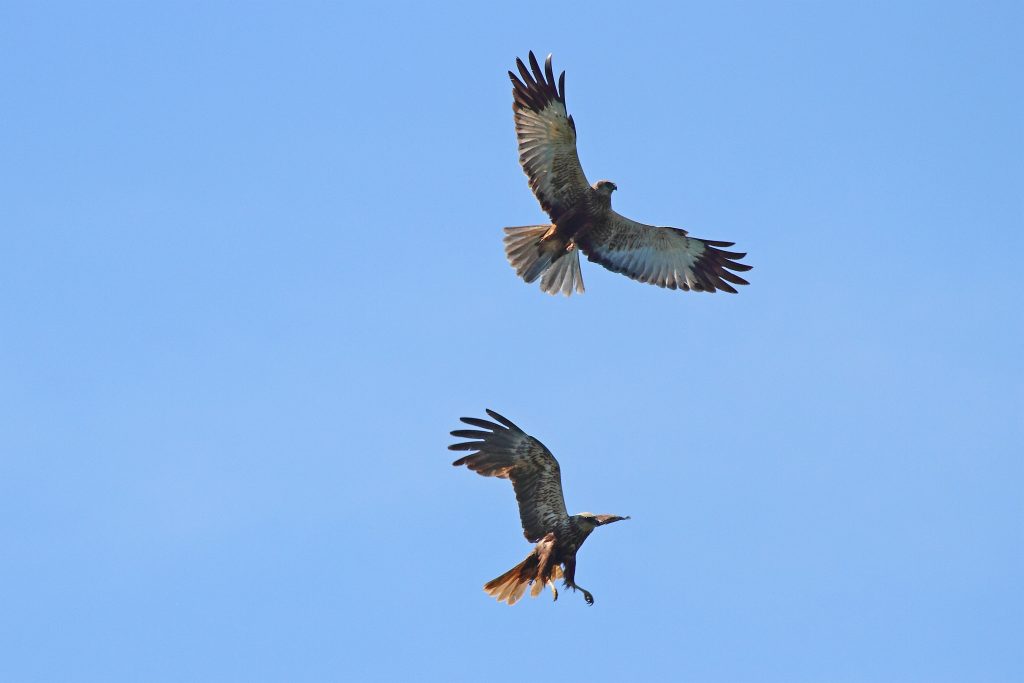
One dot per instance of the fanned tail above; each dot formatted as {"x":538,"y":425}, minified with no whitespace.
{"x":536,"y":569}
{"x":533,"y":256}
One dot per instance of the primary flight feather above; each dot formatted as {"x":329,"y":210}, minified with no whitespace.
{"x":581,"y":214}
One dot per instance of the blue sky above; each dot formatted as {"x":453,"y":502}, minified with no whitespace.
{"x":253,"y":275}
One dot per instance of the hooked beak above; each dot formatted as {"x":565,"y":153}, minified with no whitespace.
{"x":608,"y":519}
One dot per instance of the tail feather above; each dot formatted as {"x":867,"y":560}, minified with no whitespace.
{"x":511,"y":585}
{"x":534,"y":256}
{"x":536,"y":571}
{"x":525,"y":249}
{"x":564,"y":274}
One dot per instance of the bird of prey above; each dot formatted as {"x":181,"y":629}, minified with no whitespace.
{"x":582,"y":218}
{"x":501,"y":449}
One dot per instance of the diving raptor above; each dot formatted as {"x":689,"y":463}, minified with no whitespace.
{"x":582,"y":218}
{"x":501,"y":449}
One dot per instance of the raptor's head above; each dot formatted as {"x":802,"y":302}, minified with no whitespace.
{"x":605,"y":187}
{"x":590,"y":521}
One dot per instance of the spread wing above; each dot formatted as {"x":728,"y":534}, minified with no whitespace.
{"x":504,"y":450}
{"x":547,"y":137}
{"x":667,"y":257}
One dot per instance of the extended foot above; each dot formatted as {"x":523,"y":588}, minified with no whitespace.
{"x":586,"y":594}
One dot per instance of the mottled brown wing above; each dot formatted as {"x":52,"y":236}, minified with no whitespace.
{"x":667,"y":257}
{"x":547,"y":137}
{"x":504,"y":450}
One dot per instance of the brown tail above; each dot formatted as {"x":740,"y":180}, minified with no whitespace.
{"x":536,"y":569}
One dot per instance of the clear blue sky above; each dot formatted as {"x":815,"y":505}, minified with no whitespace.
{"x":252,"y":275}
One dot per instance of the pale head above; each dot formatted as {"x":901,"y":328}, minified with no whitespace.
{"x":590,"y":521}
{"x":605,"y":187}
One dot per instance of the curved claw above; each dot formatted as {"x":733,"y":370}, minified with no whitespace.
{"x":588,"y":597}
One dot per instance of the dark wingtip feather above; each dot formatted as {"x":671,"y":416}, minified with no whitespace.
{"x":477,"y":422}
{"x":524,"y":72}
{"x":726,"y":287}
{"x":535,"y":87}
{"x":502,"y":419}
{"x":470,"y":434}
{"x":535,"y":65}
{"x":722,"y":263}
{"x":733,"y":278}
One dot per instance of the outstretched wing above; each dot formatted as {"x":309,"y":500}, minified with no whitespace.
{"x":506,"y":451}
{"x":667,"y":257}
{"x":547,"y":137}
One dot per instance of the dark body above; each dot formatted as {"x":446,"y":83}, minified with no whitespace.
{"x":501,"y":449}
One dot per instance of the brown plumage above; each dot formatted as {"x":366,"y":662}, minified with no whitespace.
{"x":501,"y":449}
{"x":581,"y":214}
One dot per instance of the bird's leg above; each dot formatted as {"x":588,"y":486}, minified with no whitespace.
{"x":554,"y":590}
{"x":570,"y":581}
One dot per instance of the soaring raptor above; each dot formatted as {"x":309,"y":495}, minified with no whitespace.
{"x":582,"y":218}
{"x":504,"y":450}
